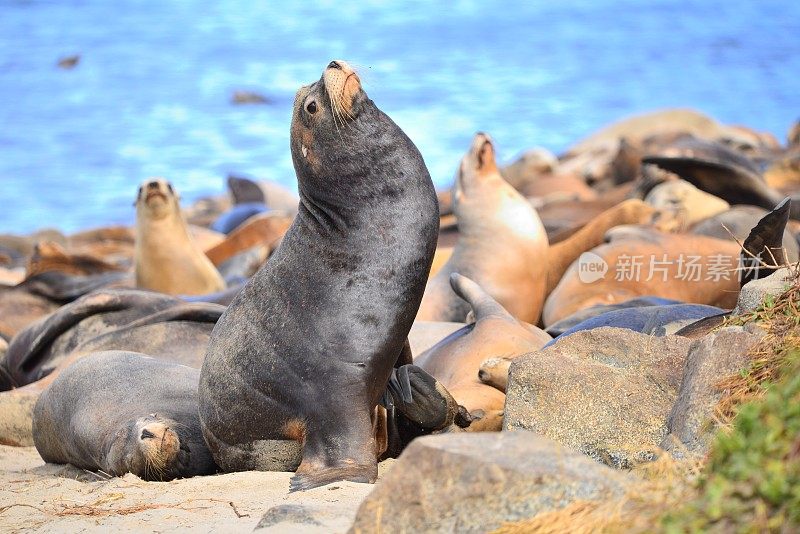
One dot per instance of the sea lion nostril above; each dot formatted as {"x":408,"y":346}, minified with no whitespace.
{"x":152,"y":185}
{"x":334,"y":65}
{"x":146,"y":434}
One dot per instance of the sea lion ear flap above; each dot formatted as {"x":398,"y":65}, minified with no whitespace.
{"x":482,"y":303}
{"x":763,"y":248}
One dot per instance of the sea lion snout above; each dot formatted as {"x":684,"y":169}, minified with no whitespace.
{"x":342,"y":85}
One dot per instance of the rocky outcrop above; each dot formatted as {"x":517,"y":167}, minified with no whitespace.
{"x":711,"y":359}
{"x":475,"y":482}
{"x":754,"y":293}
{"x":604,"y":392}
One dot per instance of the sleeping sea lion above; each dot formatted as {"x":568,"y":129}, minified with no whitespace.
{"x":123,"y":412}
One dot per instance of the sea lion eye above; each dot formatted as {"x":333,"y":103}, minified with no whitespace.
{"x":311,"y":107}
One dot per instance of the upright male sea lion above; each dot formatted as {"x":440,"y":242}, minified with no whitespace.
{"x":304,"y":352}
{"x":502,"y":244}
{"x":167,"y":259}
{"x":121,"y":412}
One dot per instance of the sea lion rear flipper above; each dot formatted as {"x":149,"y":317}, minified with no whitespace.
{"x":245,"y":191}
{"x":765,"y":242}
{"x":480,"y":301}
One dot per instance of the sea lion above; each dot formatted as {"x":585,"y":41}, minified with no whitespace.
{"x":717,"y":169}
{"x":264,"y":230}
{"x":649,"y":320}
{"x":272,"y":194}
{"x":561,"y":255}
{"x":738,"y":222}
{"x":141,"y":321}
{"x":237,"y":216}
{"x":661,"y":122}
{"x":564,"y":218}
{"x":502,"y":244}
{"x":123,"y":412}
{"x":167,"y":259}
{"x":584,"y":314}
{"x":763,"y":244}
{"x":688,"y":203}
{"x":425,"y":334}
{"x":641,"y":261}
{"x":529,"y":167}
{"x":305,"y":350}
{"x":456,"y":360}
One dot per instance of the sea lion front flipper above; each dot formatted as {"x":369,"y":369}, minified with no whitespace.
{"x":765,"y":242}
{"x":422,"y":399}
{"x":337,"y":449}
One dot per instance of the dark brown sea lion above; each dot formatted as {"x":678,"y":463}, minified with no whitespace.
{"x":718,"y":170}
{"x":739,"y":221}
{"x":304,"y":352}
{"x":140,"y":321}
{"x":123,"y":412}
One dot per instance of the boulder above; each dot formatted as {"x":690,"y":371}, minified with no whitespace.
{"x":476,"y":482}
{"x":755,"y":292}
{"x":605,"y":392}
{"x":711,"y":359}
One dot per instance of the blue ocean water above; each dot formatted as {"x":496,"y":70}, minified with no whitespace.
{"x":151,"y":94}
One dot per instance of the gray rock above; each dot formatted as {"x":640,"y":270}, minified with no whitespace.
{"x":753,"y":293}
{"x":605,"y":392}
{"x":711,"y":358}
{"x":473,"y":482}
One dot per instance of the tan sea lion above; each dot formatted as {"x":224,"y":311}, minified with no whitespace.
{"x":641,"y":261}
{"x":563,"y":218}
{"x":562,"y":254}
{"x":49,"y":256}
{"x":688,"y":203}
{"x":638,"y":127}
{"x":494,"y":372}
{"x":455,"y":361}
{"x":167,"y":259}
{"x":502,"y":244}
{"x":265,"y":230}
{"x":530,"y":166}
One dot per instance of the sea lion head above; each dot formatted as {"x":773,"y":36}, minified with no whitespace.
{"x":150,"y":448}
{"x":328,"y":115}
{"x":477,"y":171}
{"x":156,"y":199}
